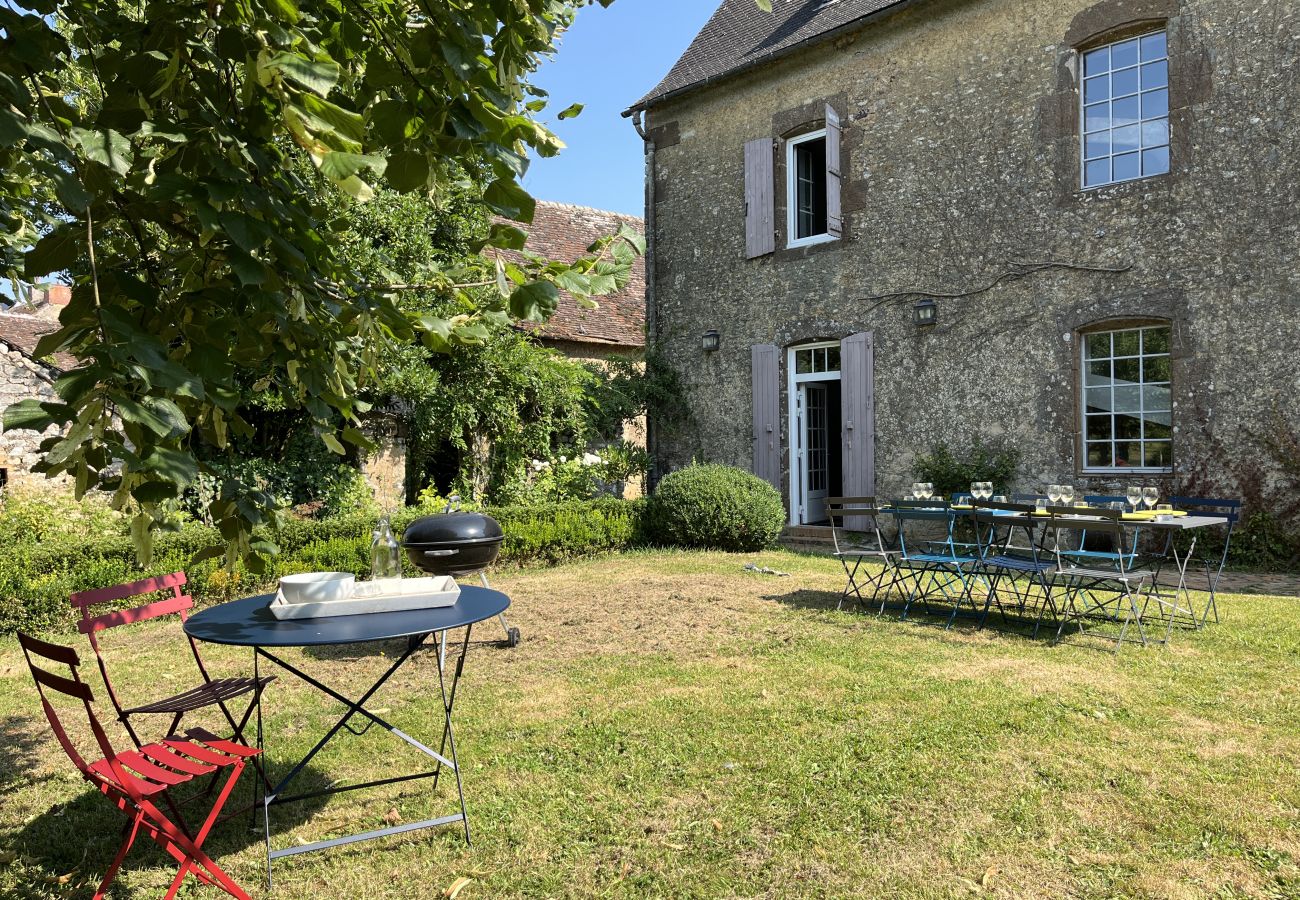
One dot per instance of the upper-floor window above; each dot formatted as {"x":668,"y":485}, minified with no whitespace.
{"x":806,"y":189}
{"x":1127,"y":402}
{"x":1126,"y":110}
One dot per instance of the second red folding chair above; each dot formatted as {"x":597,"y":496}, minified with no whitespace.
{"x":134,"y":779}
{"x":174,"y":601}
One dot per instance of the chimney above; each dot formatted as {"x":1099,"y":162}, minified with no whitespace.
{"x":59,"y":294}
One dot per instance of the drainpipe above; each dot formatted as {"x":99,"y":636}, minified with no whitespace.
{"x":651,"y":430}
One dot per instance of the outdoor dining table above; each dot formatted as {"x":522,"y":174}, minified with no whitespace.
{"x":249,"y":623}
{"x":1166,"y":524}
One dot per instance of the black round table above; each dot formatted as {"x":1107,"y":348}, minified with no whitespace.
{"x":249,"y":623}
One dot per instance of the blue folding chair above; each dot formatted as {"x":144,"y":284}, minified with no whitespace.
{"x":1022,"y":568}
{"x":937,"y":568}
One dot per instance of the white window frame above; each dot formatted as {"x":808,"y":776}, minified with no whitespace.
{"x":1083,"y":409}
{"x":792,"y":195}
{"x":795,"y":442}
{"x":1083,"y":115}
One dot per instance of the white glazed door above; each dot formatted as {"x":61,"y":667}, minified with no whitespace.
{"x":816,"y":460}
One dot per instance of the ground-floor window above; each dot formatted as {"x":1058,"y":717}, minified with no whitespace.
{"x":1127,"y":408}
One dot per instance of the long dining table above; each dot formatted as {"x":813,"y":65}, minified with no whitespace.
{"x":1168,"y":524}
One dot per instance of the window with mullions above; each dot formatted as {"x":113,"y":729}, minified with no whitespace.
{"x":1127,"y":402}
{"x":814,"y":360}
{"x":807,"y":188}
{"x":1126,"y":110}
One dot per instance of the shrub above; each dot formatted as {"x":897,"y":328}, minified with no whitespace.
{"x":35,"y":579}
{"x":716,"y":507}
{"x":951,"y":473}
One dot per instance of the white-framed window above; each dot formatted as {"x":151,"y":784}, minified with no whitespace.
{"x":805,"y":166}
{"x":1127,"y":400}
{"x":1124,"y":112}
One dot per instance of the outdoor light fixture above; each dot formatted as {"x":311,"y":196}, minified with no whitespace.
{"x":712,"y":341}
{"x":924,"y":312}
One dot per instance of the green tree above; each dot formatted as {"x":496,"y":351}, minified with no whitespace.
{"x":148,"y":148}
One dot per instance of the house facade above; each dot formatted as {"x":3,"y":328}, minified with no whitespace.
{"x":1068,"y":227}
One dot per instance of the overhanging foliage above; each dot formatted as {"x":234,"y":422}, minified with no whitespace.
{"x":147,"y":149}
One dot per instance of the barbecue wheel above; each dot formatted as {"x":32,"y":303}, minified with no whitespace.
{"x":512,"y":636}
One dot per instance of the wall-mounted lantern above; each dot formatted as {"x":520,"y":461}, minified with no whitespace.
{"x":925,"y":312}
{"x":712,"y":341}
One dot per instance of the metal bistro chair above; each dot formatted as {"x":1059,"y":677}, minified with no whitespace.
{"x":940,"y":568}
{"x":1097,"y":592}
{"x":1213,"y":564}
{"x":134,"y":779}
{"x":1022,"y":567}
{"x":841,"y":511}
{"x":212,"y":692}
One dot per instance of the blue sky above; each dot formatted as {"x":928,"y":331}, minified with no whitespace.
{"x":607,"y":61}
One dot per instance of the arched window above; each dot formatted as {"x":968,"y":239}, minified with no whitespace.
{"x":1127,"y":407}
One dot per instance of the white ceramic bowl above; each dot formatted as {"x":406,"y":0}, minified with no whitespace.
{"x":317,"y":587}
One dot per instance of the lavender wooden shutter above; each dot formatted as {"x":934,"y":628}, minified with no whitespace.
{"x":834,"y":217}
{"x":760,"y":230}
{"x":765,"y":377}
{"x":858,"y":408}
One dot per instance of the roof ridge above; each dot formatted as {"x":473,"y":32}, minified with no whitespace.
{"x":560,"y":204}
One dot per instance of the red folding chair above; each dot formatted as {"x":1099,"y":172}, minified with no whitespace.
{"x":131,"y":779}
{"x":212,"y":692}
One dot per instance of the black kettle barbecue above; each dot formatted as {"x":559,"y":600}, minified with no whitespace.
{"x":456,"y":543}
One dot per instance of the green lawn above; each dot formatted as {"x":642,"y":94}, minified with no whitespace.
{"x":673,"y":726}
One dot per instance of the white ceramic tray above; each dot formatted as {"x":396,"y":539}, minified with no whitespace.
{"x":392,"y":595}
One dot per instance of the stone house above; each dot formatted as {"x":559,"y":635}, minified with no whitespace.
{"x":23,"y":376}
{"x":1066,"y":226}
{"x":616,"y":329}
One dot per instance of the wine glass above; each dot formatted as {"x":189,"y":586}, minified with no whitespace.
{"x":986,"y":489}
{"x":1149,"y":497}
{"x":1134,"y":496}
{"x":1054,"y":494}
{"x":1067,"y":494}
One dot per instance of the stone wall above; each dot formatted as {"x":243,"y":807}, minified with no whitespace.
{"x":22,"y":379}
{"x":961,"y":164}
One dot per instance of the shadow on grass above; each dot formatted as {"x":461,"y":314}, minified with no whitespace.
{"x":934,"y":614}
{"x":66,"y":850}
{"x":22,"y":741}
{"x":488,"y":638}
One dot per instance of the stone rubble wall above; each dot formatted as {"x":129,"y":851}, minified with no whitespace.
{"x":22,"y":379}
{"x":960,"y":159}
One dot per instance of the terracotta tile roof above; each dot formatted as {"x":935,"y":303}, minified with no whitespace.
{"x":22,"y":331}
{"x":562,"y":231}
{"x":740,"y":35}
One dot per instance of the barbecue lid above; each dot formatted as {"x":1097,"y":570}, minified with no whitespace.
{"x":452,"y":527}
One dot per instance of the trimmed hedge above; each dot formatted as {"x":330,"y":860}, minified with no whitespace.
{"x":716,"y":507}
{"x":36,"y":579}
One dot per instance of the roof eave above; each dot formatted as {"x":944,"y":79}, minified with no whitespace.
{"x":646,"y":102}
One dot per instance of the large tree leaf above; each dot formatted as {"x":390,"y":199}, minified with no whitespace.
{"x":56,"y":252}
{"x":106,"y":147}
{"x":534,"y":301}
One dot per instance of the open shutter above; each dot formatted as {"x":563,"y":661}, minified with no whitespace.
{"x":834,"y":217}
{"x":858,"y":408}
{"x":765,"y":377}
{"x":760,"y":228}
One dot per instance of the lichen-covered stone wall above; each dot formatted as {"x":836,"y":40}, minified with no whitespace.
{"x":22,"y":379}
{"x":961,"y":168}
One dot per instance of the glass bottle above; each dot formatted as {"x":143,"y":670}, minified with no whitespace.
{"x":385,"y":552}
